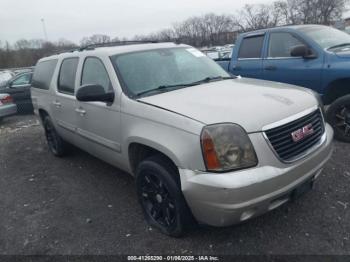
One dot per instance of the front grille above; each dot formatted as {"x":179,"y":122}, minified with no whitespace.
{"x":282,"y":141}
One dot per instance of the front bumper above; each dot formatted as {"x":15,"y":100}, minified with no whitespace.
{"x":230,"y":198}
{"x":8,"y":110}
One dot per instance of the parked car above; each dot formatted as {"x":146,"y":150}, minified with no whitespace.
{"x":19,"y":88}
{"x":202,"y":145}
{"x":5,"y":76}
{"x":7,"y":106}
{"x":312,"y":56}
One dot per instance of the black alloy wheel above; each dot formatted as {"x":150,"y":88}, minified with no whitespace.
{"x":338,"y":116}
{"x":157,"y":201}
{"x":56,"y":144}
{"x":159,"y":192}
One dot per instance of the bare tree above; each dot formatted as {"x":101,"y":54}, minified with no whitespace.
{"x":95,"y":39}
{"x":311,"y":11}
{"x":254,"y":17}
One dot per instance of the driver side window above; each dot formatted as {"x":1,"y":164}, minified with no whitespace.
{"x":95,"y":73}
{"x":22,"y":80}
{"x":281,"y":45}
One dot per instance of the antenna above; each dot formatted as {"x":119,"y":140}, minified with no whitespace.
{"x":44,"y":29}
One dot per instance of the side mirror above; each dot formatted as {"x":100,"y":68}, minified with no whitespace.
{"x":94,"y":93}
{"x":302,"y":51}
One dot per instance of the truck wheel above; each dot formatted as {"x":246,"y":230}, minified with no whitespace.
{"x":338,"y":115}
{"x":56,"y":144}
{"x":161,"y":198}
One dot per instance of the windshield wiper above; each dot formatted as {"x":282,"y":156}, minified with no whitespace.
{"x":338,"y":46}
{"x":165,"y":87}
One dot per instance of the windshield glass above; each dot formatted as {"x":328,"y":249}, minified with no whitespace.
{"x":325,"y":36}
{"x":149,"y":70}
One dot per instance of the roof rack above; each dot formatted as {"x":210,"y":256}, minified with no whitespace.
{"x":116,"y":43}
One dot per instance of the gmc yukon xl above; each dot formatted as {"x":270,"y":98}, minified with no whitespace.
{"x":204,"y":146}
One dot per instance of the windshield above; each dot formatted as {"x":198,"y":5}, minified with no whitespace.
{"x":149,"y":70}
{"x":326,"y":37}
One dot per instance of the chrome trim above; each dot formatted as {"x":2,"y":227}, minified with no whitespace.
{"x":322,"y":140}
{"x":281,"y":57}
{"x":300,"y":156}
{"x":252,"y":58}
{"x":290,"y":119}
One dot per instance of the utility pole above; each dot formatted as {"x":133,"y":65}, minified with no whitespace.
{"x":44,"y":29}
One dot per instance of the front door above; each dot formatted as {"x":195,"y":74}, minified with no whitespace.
{"x":99,"y":122}
{"x":280,"y":66}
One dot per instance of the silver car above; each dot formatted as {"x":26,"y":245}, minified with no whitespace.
{"x":204,"y":146}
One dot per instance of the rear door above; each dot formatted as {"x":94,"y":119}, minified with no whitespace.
{"x":248,"y":58}
{"x":19,"y":89}
{"x":64,"y":103}
{"x":280,"y":66}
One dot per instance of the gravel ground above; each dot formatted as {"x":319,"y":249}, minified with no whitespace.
{"x":81,"y":205}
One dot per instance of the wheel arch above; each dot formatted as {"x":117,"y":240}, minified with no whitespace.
{"x":140,"y":149}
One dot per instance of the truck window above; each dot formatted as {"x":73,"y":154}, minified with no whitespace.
{"x":281,"y":44}
{"x":43,"y":74}
{"x":94,"y":72}
{"x":251,"y":47}
{"x":66,"y":79}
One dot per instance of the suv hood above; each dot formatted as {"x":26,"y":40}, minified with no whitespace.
{"x":247,"y":102}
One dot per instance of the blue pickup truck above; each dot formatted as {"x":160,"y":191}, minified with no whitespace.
{"x":312,"y":56}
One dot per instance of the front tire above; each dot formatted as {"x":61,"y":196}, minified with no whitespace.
{"x":57,"y":145}
{"x":338,"y":115}
{"x":159,"y":193}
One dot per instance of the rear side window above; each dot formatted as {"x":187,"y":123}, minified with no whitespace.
{"x":66,"y":79}
{"x":251,"y":47}
{"x":43,"y":74}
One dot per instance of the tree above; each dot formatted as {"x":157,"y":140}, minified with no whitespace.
{"x":95,"y":39}
{"x":311,"y":11}
{"x":254,"y":17}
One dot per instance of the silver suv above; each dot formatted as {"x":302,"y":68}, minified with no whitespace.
{"x":204,"y":146}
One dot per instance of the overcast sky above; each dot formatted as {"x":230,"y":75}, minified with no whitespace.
{"x":74,"y":19}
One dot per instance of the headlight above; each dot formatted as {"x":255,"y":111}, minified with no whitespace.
{"x":227,"y":147}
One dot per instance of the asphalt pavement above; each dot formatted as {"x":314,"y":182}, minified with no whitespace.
{"x":80,"y":205}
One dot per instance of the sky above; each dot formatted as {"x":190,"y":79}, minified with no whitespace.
{"x":74,"y":19}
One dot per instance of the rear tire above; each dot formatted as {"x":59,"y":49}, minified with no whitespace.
{"x":338,"y":115}
{"x":160,"y":196}
{"x":57,"y":145}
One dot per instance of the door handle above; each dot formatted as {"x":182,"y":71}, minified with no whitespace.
{"x":270,"y":68}
{"x":81,"y":111}
{"x":237,"y":68}
{"x":57,"y":104}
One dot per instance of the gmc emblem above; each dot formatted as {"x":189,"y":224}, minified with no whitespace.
{"x":302,"y":133}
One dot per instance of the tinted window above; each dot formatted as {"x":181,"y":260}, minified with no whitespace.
{"x":251,"y":47}
{"x":281,"y":44}
{"x":43,"y":74}
{"x":66,"y":79}
{"x":94,"y":72}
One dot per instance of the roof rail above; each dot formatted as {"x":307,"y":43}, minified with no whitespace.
{"x":116,"y":43}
